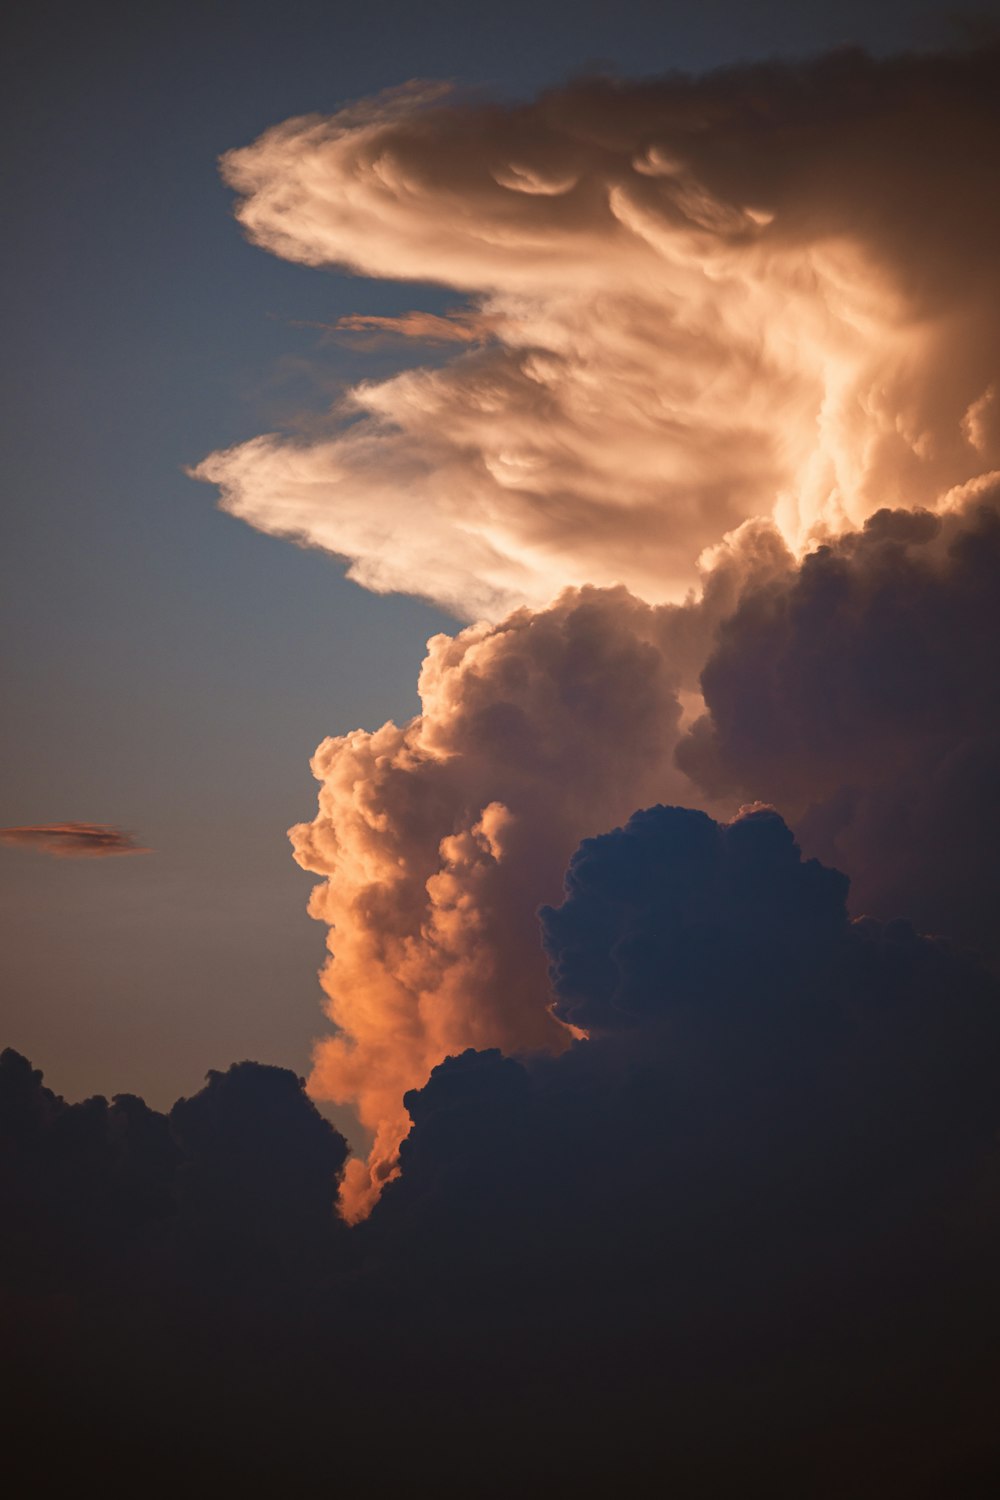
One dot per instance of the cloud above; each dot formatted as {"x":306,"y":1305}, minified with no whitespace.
{"x":676,"y":910}
{"x":259,"y":1174}
{"x":709,"y":299}
{"x":723,"y":332}
{"x":759,"y":1201}
{"x":72,"y":840}
{"x":730,"y":997}
{"x":439,"y":839}
{"x":239,"y":1181}
{"x":428,"y":328}
{"x":727,"y":1209}
{"x":712,"y":1200}
{"x":854,"y":690}
{"x":858,"y":693}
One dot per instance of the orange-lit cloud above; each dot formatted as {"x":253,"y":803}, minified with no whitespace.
{"x":766,"y":292}
{"x":428,"y":328}
{"x":710,"y":322}
{"x":439,"y":839}
{"x":72,"y":840}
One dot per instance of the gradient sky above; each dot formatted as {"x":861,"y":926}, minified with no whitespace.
{"x":168,"y":670}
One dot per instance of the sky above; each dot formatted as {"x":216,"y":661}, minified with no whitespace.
{"x":502,"y":589}
{"x":169,"y":671}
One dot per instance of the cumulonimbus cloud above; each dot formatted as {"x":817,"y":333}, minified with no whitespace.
{"x":72,"y":840}
{"x":768,"y":291}
{"x":757,"y":1182}
{"x":713,"y":324}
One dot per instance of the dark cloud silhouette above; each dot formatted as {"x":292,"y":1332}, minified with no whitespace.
{"x":238,"y":1180}
{"x":859,"y":693}
{"x":674,"y":909}
{"x":737,"y":1010}
{"x":747,"y":1228}
{"x":72,"y":840}
{"x":155,"y":1272}
{"x":259,"y":1173}
{"x":746,"y":1234}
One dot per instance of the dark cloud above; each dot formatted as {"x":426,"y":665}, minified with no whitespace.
{"x":149,"y":1266}
{"x":859,"y":693}
{"x":72,"y":840}
{"x":747,"y":1229}
{"x":746,"y":1235}
{"x":240,"y":1176}
{"x":259,"y":1174}
{"x":674,"y":909}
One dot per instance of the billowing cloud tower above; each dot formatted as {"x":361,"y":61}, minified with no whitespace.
{"x":724,"y":397}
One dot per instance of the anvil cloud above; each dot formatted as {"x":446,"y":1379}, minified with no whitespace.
{"x":763,"y":292}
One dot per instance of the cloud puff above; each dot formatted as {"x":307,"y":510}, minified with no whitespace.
{"x":440,"y":838}
{"x":708,"y":299}
{"x":72,"y":840}
{"x":858,"y":692}
{"x":675,"y":910}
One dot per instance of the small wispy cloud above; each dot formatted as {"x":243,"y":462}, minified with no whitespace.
{"x":72,"y":840}
{"x":456,"y":328}
{"x":462,"y":327}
